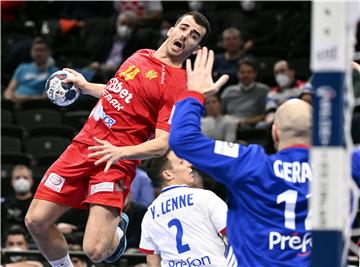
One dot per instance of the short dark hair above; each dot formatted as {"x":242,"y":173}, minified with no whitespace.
{"x":249,"y":60}
{"x":17,"y":230}
{"x":40,"y":40}
{"x":199,"y":19}
{"x":156,"y":166}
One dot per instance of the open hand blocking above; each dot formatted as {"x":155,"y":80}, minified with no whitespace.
{"x":200,"y":78}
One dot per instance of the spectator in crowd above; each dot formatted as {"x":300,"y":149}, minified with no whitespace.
{"x":246,"y":100}
{"x":17,"y":240}
{"x":124,"y":28}
{"x":235,"y":49}
{"x":215,"y":124}
{"x":306,"y":92}
{"x":166,"y":24}
{"x":135,"y":212}
{"x":195,"y":5}
{"x":28,"y":81}
{"x":73,"y":223}
{"x":146,"y":12}
{"x":287,"y":87}
{"x":142,"y":190}
{"x":77,"y":261}
{"x":15,"y":206}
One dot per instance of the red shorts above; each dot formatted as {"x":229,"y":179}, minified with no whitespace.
{"x":73,"y":180}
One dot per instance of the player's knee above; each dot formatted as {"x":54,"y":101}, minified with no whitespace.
{"x":35,"y":224}
{"x":95,"y":252}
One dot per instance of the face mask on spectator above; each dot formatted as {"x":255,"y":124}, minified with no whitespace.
{"x":22,"y":185}
{"x":282,"y":80}
{"x":163,"y":33}
{"x":195,"y":5}
{"x":16,"y":258}
{"x":247,"y":5}
{"x":124,"y":31}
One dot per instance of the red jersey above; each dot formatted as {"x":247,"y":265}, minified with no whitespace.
{"x":135,"y":102}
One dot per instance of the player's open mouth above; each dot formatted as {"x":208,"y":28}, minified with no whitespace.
{"x":178,"y":44}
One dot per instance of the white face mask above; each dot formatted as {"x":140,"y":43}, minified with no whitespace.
{"x":282,"y":80}
{"x":247,"y":5}
{"x":124,"y":32}
{"x":16,"y":258}
{"x":195,"y":5}
{"x":22,"y":185}
{"x":164,"y":32}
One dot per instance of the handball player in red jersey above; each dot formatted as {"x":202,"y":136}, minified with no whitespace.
{"x":130,"y":122}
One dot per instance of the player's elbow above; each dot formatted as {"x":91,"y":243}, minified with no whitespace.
{"x":162,"y":150}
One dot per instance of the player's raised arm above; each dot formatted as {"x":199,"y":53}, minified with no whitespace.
{"x":88,"y":88}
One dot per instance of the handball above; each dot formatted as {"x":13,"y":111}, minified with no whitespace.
{"x":60,"y":93}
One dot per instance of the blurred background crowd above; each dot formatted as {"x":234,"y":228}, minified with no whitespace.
{"x":263,"y":46}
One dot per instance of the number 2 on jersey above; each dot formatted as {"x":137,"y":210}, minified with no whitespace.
{"x":179,"y":234}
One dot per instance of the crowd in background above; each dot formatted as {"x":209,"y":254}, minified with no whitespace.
{"x":263,"y":46}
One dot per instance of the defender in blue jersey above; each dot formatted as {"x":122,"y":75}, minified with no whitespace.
{"x":268,"y":218}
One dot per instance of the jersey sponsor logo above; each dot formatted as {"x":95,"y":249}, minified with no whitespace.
{"x":293,"y":172}
{"x":102,"y":187}
{"x":226,"y":149}
{"x":290,"y":242}
{"x":116,"y":87}
{"x":98,"y":113}
{"x":151,"y":74}
{"x":130,"y":73}
{"x":54,"y":182}
{"x":203,"y":261}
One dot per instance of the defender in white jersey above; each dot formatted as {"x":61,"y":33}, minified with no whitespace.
{"x":183,"y":226}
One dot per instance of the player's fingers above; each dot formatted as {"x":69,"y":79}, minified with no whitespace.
{"x":108,"y":165}
{"x":96,"y":148}
{"x":198,"y":59}
{"x":188,"y":67}
{"x":221,"y":81}
{"x":209,"y":62}
{"x":103,"y":159}
{"x":72,"y":71}
{"x":204,"y":57}
{"x":103,"y":142}
{"x":98,"y":153}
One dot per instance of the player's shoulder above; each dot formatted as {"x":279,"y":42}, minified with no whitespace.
{"x":23,"y":66}
{"x":142,"y":54}
{"x":203,"y":193}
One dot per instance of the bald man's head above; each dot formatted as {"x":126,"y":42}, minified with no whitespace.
{"x":292,"y":123}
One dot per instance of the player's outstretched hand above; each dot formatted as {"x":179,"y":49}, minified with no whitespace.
{"x":77,"y":79}
{"x":200,"y":78}
{"x":108,"y":153}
